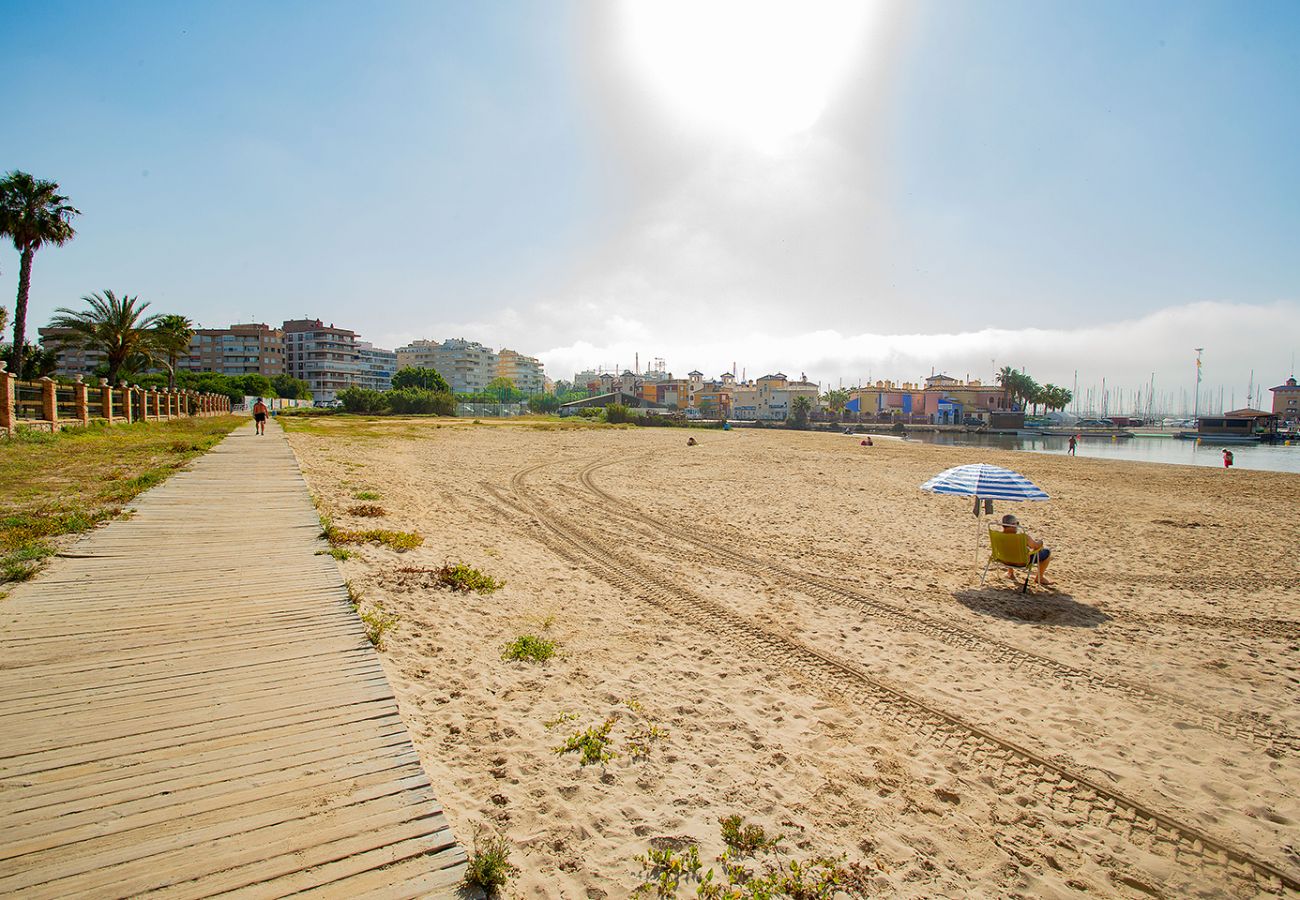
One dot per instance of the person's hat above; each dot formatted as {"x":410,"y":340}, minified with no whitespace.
{"x":1009,"y":519}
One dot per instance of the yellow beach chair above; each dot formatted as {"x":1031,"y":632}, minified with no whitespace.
{"x":1009,"y":549}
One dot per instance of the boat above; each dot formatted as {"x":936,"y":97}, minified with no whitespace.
{"x":1220,"y":438}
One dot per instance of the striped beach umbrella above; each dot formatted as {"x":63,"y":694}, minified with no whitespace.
{"x":984,"y":482}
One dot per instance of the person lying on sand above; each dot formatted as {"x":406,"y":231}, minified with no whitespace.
{"x":690,"y":442}
{"x":1038,"y":554}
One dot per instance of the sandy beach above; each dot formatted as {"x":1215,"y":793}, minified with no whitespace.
{"x":808,"y":628}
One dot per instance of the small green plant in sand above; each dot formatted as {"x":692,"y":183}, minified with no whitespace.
{"x":747,"y":839}
{"x":337,"y":552}
{"x":665,"y":868}
{"x":489,"y":866}
{"x":464,"y":578}
{"x":643,"y":738}
{"x":560,"y":719}
{"x":378,"y":622}
{"x":366,"y":495}
{"x":743,"y":878}
{"x":354,"y":593}
{"x":593,"y":745}
{"x":529,"y":648}
{"x":367,"y":510}
{"x":397,"y":540}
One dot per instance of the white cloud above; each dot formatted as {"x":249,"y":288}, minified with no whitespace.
{"x":1237,"y":338}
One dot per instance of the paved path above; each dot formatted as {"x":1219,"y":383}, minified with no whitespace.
{"x":188,"y":705}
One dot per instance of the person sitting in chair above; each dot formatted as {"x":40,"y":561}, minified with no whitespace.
{"x":1038,"y":554}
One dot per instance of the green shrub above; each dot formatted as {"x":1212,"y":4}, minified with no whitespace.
{"x":530,"y":648}
{"x":489,"y":866}
{"x":424,"y":379}
{"x":617,"y":414}
{"x":421,"y":401}
{"x":362,"y":400}
{"x":366,"y":495}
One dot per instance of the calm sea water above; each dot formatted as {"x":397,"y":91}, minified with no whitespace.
{"x":1268,"y":458}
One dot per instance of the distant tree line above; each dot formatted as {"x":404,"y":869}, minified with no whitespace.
{"x":1023,"y":389}
{"x":425,"y":392}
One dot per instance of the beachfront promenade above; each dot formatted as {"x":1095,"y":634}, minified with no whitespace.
{"x":189,"y":705}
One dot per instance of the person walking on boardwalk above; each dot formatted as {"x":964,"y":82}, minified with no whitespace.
{"x":259,"y":416}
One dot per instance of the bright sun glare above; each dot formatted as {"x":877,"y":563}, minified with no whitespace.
{"x":758,"y":70}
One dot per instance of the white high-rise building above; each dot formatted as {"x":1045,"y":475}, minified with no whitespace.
{"x":323,"y":356}
{"x":375,"y":367}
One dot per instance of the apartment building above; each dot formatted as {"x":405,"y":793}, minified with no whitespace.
{"x":525,"y":371}
{"x":70,"y":358}
{"x":323,"y":356}
{"x":770,"y":398}
{"x":467,"y":366}
{"x":252,"y":349}
{"x":417,"y":355}
{"x":375,"y":367}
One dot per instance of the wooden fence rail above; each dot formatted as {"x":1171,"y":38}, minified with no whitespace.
{"x":48,"y":406}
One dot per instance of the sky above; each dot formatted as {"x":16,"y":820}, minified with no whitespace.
{"x":849,"y":190}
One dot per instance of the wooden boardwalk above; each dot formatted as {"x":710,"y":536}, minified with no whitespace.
{"x":189,"y":707}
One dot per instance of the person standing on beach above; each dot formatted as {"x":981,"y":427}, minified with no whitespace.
{"x":259,"y":416}
{"x":1074,"y":442}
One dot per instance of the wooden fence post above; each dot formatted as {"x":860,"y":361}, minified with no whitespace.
{"x":49,"y":402}
{"x":127,"y":411}
{"x":8,"y":406}
{"x":106,"y":400}
{"x":83,"y":407}
{"x":152,"y":394}
{"x":171,"y":398}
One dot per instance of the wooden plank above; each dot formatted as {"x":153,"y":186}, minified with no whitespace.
{"x":203,"y":715}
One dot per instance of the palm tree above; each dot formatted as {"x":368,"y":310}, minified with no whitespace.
{"x":172,"y":336}
{"x":1008,"y":377}
{"x":32,"y":213}
{"x":802,"y":407}
{"x":115,"y":327}
{"x":37,"y":362}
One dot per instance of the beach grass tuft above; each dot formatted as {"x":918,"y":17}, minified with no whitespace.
{"x":465,"y":578}
{"x":529,"y":648}
{"x":400,"y":541}
{"x":368,"y":510}
{"x":378,"y":622}
{"x":367,"y":495}
{"x":489,"y":866}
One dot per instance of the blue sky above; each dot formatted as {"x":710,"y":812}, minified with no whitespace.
{"x":1091,"y":186}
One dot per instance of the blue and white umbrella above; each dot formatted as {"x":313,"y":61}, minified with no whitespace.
{"x":984,"y":482}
